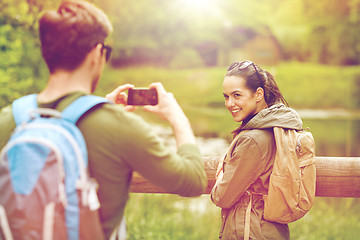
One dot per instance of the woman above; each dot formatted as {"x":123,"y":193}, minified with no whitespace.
{"x":254,"y":100}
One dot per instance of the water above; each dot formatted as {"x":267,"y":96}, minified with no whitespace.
{"x":336,"y":134}
{"x":209,"y":147}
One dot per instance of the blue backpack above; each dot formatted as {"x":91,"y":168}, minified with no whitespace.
{"x":45,"y":190}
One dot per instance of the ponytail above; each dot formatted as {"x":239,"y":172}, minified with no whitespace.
{"x":271,"y":90}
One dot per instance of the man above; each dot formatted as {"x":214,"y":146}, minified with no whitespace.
{"x":119,"y":142}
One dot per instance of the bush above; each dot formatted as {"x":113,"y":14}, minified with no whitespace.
{"x":187,"y":58}
{"x":16,"y":75}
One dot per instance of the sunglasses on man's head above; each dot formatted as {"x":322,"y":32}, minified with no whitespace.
{"x":243,"y":65}
{"x":108,"y":51}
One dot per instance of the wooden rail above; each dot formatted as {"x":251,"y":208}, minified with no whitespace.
{"x":335,"y":177}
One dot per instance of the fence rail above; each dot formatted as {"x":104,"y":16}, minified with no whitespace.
{"x":335,"y":177}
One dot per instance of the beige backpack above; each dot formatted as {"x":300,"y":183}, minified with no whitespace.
{"x":292,"y":181}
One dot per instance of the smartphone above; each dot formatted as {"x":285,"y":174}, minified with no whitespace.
{"x":142,"y":96}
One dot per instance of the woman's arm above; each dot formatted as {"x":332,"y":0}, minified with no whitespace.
{"x":244,"y":167}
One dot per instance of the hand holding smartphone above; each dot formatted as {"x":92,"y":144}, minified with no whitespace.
{"x":142,"y":96}
{"x":169,"y":110}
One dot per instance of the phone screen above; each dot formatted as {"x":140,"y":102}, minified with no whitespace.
{"x":142,"y":96}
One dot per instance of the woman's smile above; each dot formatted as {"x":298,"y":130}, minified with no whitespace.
{"x":235,"y":111}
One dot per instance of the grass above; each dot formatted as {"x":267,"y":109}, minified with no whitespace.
{"x":330,"y":218}
{"x":318,"y":86}
{"x":169,"y":217}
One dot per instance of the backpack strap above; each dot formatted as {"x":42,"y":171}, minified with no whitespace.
{"x":23,"y":105}
{"x":80,"y":106}
{"x":247,"y":218}
{"x":4,"y":224}
{"x":73,"y":112}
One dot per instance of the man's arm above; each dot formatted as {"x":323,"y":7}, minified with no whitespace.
{"x":169,"y":110}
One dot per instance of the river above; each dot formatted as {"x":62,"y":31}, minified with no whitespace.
{"x":336,"y":133}
{"x":209,"y":147}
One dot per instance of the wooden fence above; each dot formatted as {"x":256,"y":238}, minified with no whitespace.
{"x":335,"y":177}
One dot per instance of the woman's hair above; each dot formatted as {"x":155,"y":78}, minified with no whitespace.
{"x":68,"y":34}
{"x":256,"y":77}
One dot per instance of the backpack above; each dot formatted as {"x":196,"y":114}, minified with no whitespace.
{"x":292,"y":182}
{"x":293,"y":179}
{"x":45,"y":190}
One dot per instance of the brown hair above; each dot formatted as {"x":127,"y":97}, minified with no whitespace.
{"x":68,"y":34}
{"x":256,"y":77}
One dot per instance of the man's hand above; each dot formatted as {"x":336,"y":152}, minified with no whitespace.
{"x":118,"y":96}
{"x":168,"y":109}
{"x":167,"y":106}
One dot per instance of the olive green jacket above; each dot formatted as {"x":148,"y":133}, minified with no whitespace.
{"x":120,"y":142}
{"x":247,"y":167}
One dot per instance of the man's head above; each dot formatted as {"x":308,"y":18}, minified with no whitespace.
{"x":68,"y":34}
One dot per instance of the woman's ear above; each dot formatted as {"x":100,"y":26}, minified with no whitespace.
{"x":259,"y":94}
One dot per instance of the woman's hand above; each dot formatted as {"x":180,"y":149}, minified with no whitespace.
{"x":118,"y":96}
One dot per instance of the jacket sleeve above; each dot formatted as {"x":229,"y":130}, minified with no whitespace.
{"x":121,"y":142}
{"x":242,"y":170}
{"x":180,"y":172}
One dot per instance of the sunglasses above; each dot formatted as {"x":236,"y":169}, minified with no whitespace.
{"x":243,"y":65}
{"x":108,"y":51}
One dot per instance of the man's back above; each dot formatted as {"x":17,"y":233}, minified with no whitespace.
{"x":119,"y":142}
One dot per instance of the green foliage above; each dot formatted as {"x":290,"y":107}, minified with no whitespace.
{"x":16,"y":72}
{"x":21,"y":68}
{"x":305,"y":30}
{"x":163,"y":32}
{"x":187,"y":58}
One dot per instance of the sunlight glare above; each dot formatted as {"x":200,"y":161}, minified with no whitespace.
{"x":200,"y":7}
{"x":195,"y":4}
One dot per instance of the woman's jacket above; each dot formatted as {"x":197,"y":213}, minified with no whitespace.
{"x":247,"y":168}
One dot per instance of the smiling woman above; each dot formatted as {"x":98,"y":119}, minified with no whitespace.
{"x":253,"y":98}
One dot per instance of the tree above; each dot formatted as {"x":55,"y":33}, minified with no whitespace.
{"x":22,"y":69}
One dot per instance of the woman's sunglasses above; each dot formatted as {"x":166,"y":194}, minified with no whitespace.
{"x":243,"y":65}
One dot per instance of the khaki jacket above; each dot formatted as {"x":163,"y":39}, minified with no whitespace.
{"x":247,"y":167}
